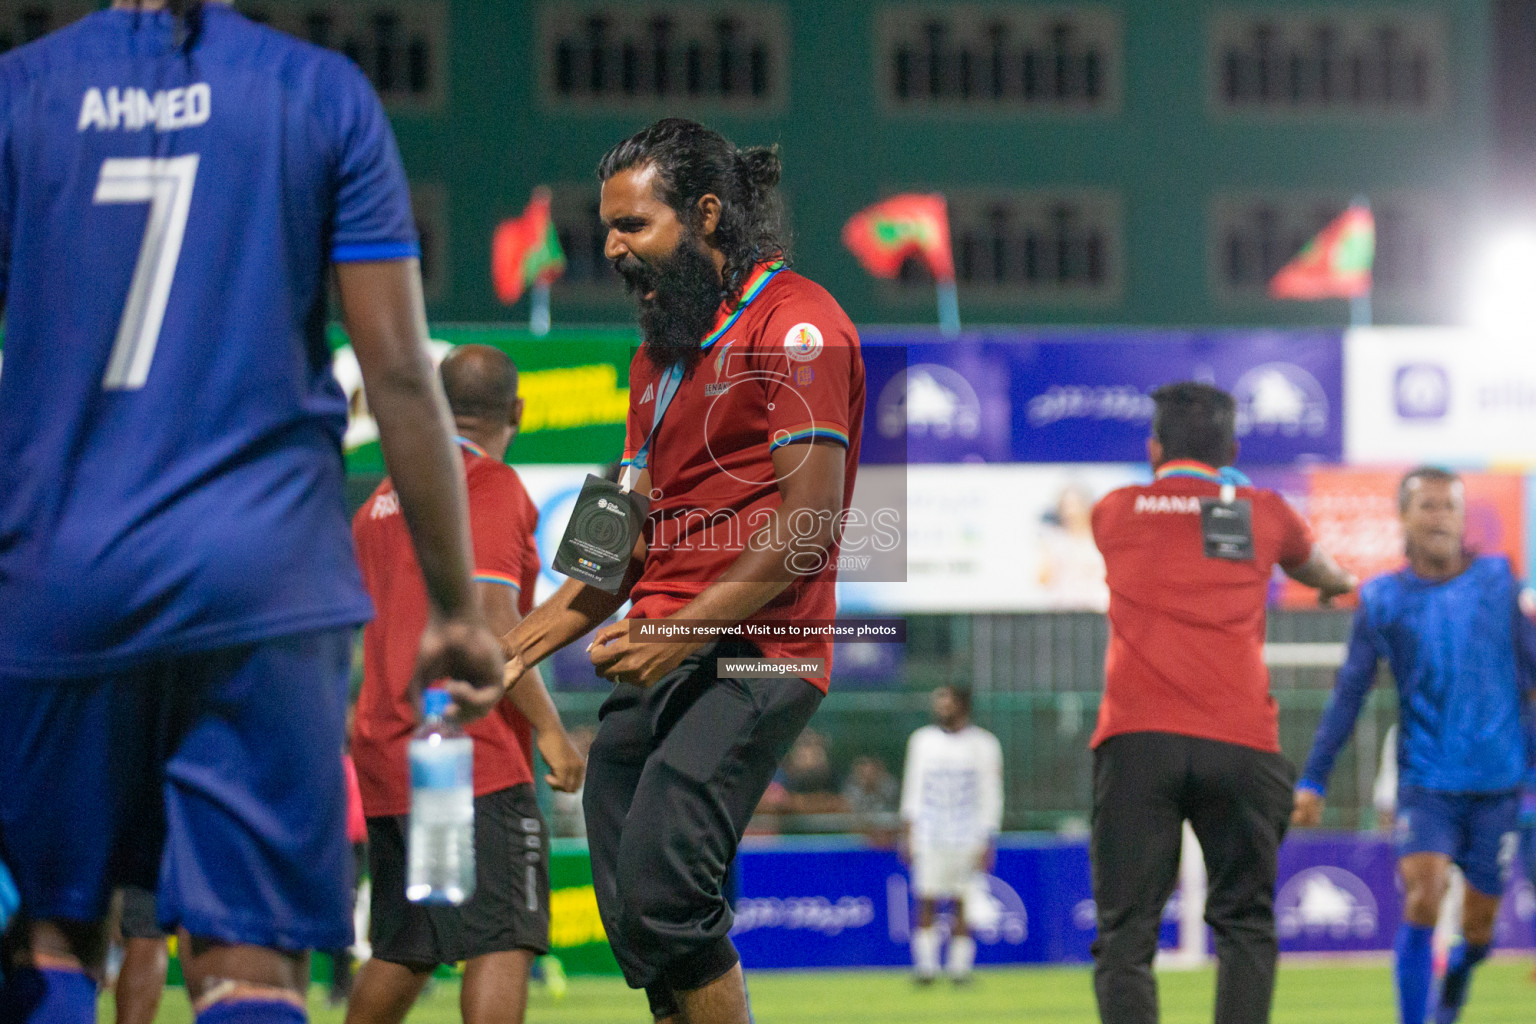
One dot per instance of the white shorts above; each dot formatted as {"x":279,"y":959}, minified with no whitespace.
{"x":944,"y":872}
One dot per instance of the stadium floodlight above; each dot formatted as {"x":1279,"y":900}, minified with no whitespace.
{"x":1503,"y":282}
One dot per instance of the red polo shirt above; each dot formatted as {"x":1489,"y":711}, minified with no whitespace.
{"x":502,"y":521}
{"x":788,"y":369}
{"x":1186,"y":632}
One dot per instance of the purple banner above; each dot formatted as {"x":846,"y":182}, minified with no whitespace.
{"x":1020,"y":397}
{"x":820,"y":905}
{"x":830,"y":903}
{"x":1337,"y":894}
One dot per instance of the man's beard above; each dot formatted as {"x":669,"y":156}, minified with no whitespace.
{"x":687,"y":296}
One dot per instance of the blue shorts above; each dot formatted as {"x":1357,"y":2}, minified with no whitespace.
{"x":213,"y":779}
{"x":1477,"y":831}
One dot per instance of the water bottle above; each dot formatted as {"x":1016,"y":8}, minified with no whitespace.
{"x":440,"y":858}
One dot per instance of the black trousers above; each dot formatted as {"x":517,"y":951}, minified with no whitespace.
{"x":1238,"y":800}
{"x":673,"y":777}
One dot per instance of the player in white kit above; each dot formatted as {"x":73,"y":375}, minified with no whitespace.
{"x":951,"y":812}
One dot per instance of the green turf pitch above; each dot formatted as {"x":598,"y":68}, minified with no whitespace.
{"x":1502,"y":993}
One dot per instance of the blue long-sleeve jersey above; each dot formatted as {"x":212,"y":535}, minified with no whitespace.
{"x":1462,"y":654}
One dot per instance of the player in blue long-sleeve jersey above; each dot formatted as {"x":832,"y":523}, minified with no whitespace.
{"x":1452,"y":631}
{"x":177,"y":583}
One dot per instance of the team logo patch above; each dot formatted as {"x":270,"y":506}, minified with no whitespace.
{"x":804,"y":375}
{"x":650,"y":394}
{"x":803,"y":343}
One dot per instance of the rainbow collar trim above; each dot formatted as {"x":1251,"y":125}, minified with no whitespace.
{"x":764,"y":273}
{"x":1189,"y":468}
{"x":467,"y":443}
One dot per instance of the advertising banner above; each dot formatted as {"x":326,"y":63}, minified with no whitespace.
{"x":822,"y":904}
{"x":1018,"y":538}
{"x":576,"y":933}
{"x":1445,"y":395}
{"x":1087,"y":398}
{"x":986,"y":538}
{"x":574,"y":385}
{"x":1337,"y":894}
{"x":1354,"y":515}
{"x":837,"y":903}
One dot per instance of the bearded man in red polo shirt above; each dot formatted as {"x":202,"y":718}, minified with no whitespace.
{"x":746,"y":399}
{"x":1187,"y":728}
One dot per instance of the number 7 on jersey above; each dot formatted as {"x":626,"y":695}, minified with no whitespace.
{"x":166,"y":185}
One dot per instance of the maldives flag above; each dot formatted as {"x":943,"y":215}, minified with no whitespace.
{"x":884,"y":235}
{"x":1334,"y":265}
{"x":526,"y":250}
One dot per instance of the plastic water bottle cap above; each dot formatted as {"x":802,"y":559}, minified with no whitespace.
{"x":434,"y":702}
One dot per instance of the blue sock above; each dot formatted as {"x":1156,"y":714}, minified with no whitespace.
{"x":1458,"y":981}
{"x":1413,"y":969}
{"x":48,"y":996}
{"x":252,"y":1011}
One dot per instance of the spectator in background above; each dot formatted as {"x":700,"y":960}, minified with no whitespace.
{"x":951,"y":812}
{"x":809,"y":785}
{"x":803,"y":785}
{"x":872,"y":795}
{"x":1451,"y":628}
{"x":1187,"y":728}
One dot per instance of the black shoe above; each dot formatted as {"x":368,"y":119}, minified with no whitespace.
{"x":923,"y":980}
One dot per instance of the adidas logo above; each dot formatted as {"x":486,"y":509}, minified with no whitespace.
{"x":650,"y":394}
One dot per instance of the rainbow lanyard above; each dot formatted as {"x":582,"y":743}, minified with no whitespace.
{"x":1189,"y":468}
{"x":672,"y":379}
{"x":1227,"y":478}
{"x":467,"y":443}
{"x":761,"y":275}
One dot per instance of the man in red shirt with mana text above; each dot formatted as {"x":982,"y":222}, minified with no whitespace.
{"x":1187,"y":728}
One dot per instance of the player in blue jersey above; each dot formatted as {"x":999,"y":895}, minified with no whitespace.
{"x":1451,"y":629}
{"x":177,"y":583}
{"x":1528,"y":794}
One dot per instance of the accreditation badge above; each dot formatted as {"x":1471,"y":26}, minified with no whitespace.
{"x":601,"y":534}
{"x":1227,"y":528}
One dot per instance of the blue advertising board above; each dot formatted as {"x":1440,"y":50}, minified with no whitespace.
{"x":831,"y":905}
{"x":834,"y":903}
{"x":1021,"y":397}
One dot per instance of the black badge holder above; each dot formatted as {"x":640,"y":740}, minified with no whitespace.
{"x":1226,"y":526}
{"x":606,"y":522}
{"x":601,"y":534}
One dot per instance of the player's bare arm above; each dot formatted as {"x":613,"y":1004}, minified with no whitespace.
{"x":385,"y":317}
{"x":567,"y":767}
{"x":1322,"y":572}
{"x":528,"y":695}
{"x":810,"y":481}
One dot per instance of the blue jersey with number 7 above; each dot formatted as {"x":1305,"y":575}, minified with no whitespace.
{"x":171,"y":475}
